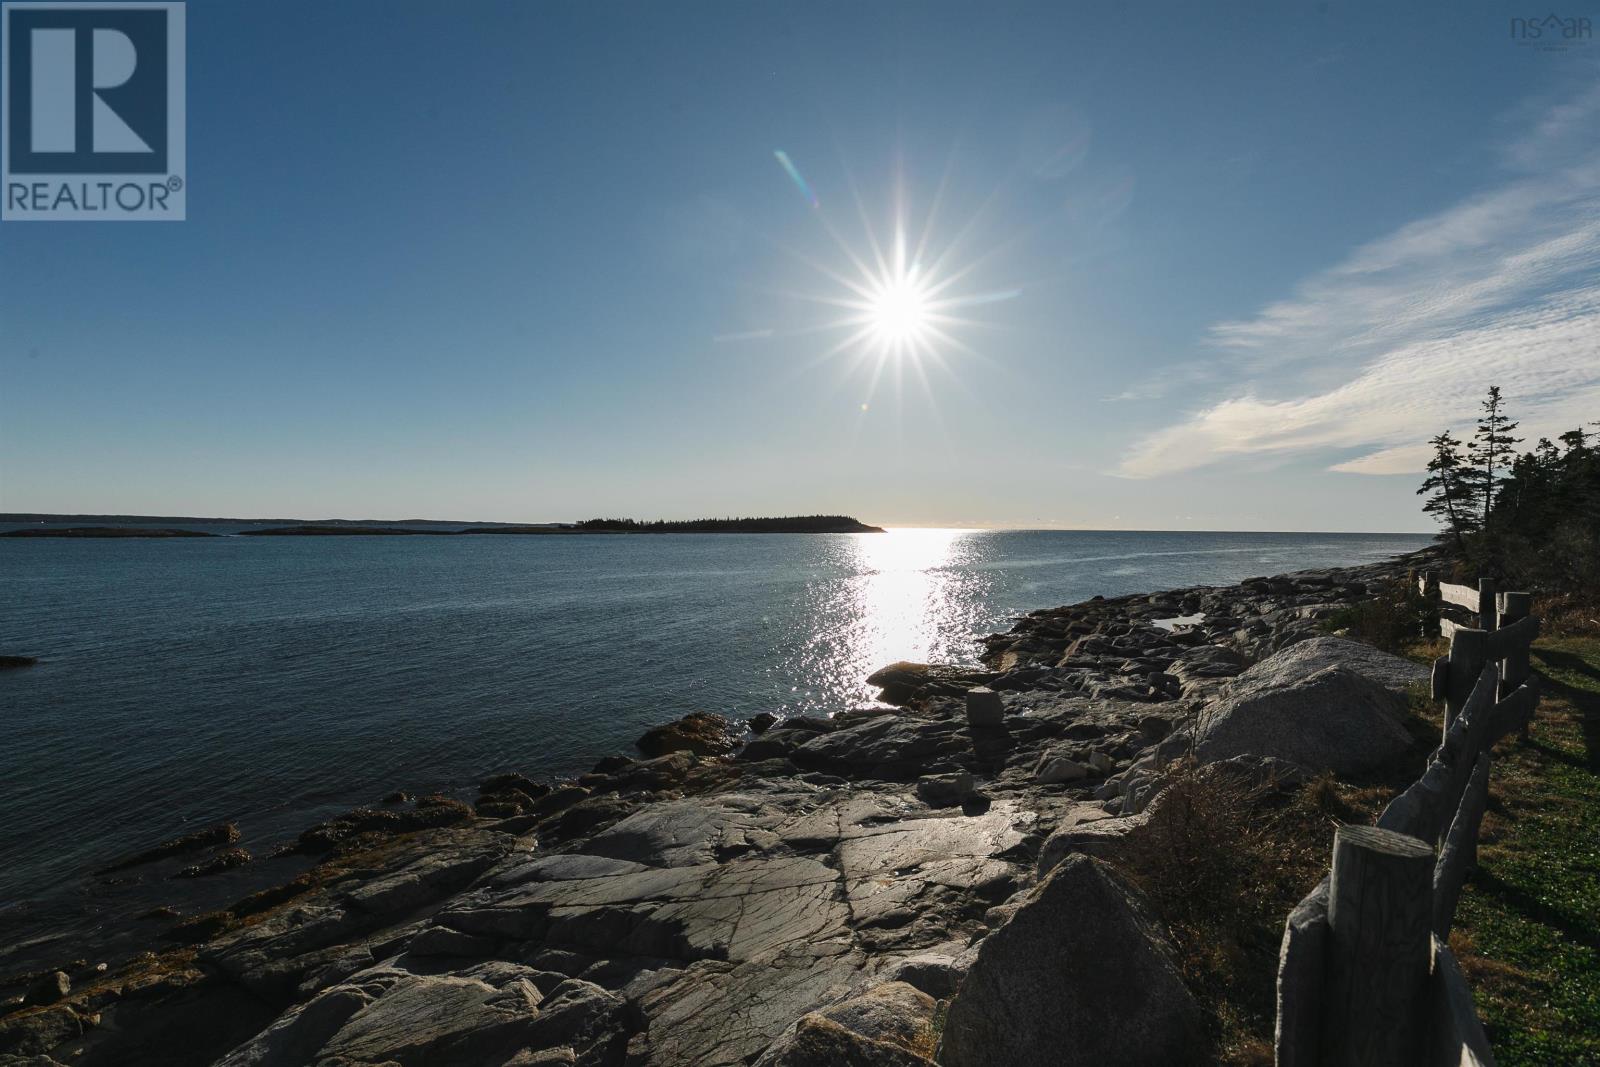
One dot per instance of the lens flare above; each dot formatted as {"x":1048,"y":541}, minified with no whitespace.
{"x":794,"y":174}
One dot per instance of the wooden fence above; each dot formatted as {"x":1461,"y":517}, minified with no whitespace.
{"x":1365,"y":973}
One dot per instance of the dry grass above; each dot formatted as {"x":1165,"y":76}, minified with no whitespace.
{"x":1568,"y":614}
{"x":1222,"y":861}
{"x":1226,"y":859}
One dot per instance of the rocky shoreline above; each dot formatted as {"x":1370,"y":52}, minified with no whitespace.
{"x":927,"y":881}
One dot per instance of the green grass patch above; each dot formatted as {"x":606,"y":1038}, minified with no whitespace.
{"x":1528,"y":925}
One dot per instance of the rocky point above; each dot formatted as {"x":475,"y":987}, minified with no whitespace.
{"x":932,"y":880}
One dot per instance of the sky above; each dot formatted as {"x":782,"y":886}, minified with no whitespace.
{"x":1165,"y":266}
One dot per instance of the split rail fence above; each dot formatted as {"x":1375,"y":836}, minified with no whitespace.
{"x":1365,"y":974}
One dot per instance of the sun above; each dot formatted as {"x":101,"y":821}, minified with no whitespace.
{"x":901,"y":296}
{"x":903,"y":309}
{"x":899,"y":310}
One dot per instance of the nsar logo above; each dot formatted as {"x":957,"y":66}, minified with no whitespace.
{"x":92,"y":102}
{"x":1552,"y":33}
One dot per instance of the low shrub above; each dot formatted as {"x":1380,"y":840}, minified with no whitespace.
{"x":1395,"y":619}
{"x":1222,"y":860}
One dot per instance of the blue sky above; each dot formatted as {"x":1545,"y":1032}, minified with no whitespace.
{"x":1218,"y":267}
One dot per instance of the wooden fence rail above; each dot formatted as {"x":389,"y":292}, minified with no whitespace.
{"x":1365,"y":972}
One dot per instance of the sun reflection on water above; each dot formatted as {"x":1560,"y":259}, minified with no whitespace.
{"x":908,"y":594}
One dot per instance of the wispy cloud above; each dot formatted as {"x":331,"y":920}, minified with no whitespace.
{"x":1547,"y":359}
{"x":1399,"y":340}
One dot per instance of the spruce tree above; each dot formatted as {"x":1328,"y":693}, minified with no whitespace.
{"x":1490,"y":453}
{"x":1532,"y":518}
{"x":1447,"y":489}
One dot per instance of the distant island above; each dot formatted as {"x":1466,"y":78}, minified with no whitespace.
{"x":20,"y":517}
{"x":322,"y":530}
{"x":369,"y":528}
{"x":790,"y":524}
{"x":102,"y":531}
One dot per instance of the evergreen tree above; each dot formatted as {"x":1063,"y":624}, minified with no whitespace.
{"x":1447,"y":489}
{"x":1490,"y":454}
{"x":1533,"y":518}
{"x":1546,"y":517}
{"x":1577,"y":440}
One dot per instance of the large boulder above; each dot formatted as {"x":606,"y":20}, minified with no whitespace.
{"x":1081,"y":974}
{"x":904,"y":681}
{"x":698,"y":732}
{"x":1333,"y":720}
{"x":1319,"y":653}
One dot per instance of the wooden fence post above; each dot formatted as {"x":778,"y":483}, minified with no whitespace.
{"x":1392,"y":994}
{"x":1469,"y":652}
{"x":1380,"y":921}
{"x":1460,"y":852}
{"x":1514,"y":607}
{"x":1302,"y":967}
{"x":1486,"y":605}
{"x":1458,"y":1039}
{"x":1427,"y":588}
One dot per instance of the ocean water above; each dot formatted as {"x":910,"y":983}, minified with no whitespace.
{"x":278,"y":680}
